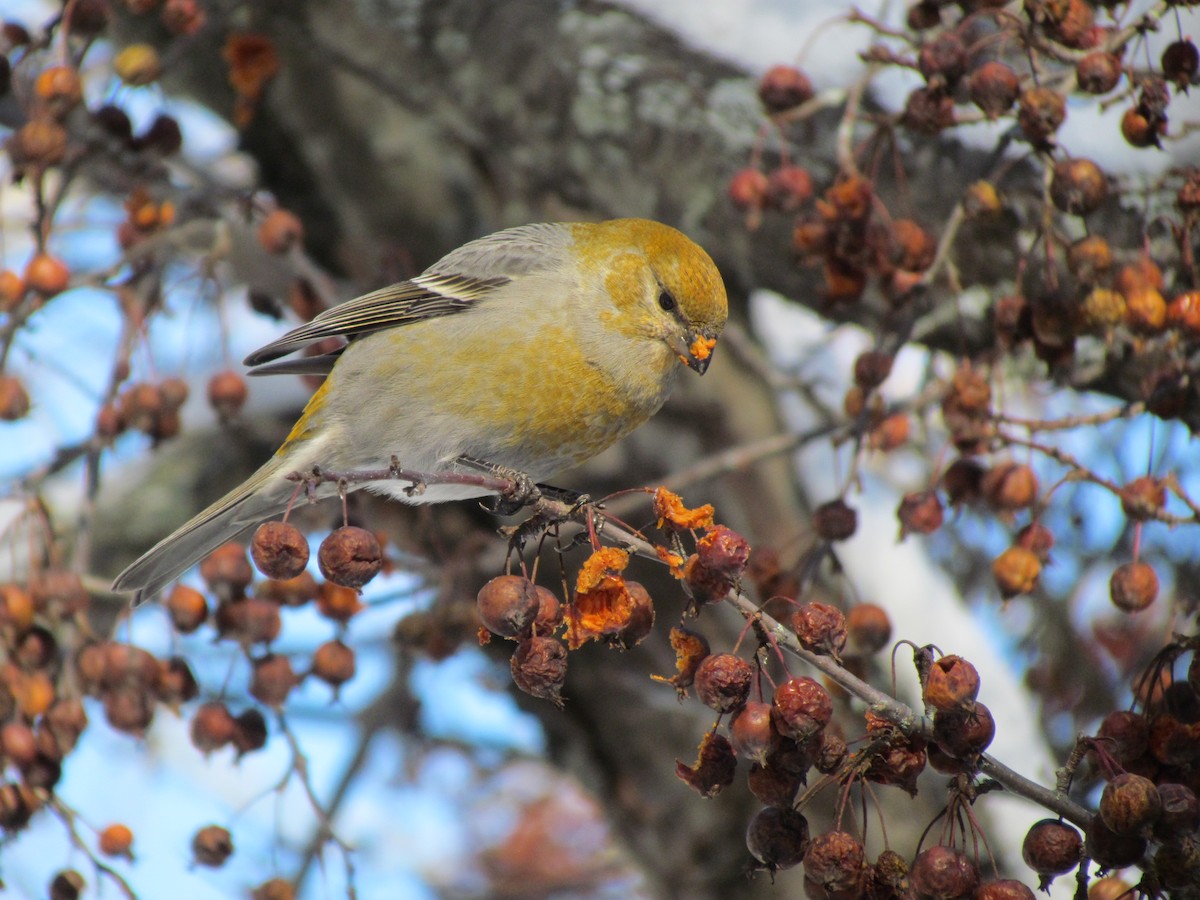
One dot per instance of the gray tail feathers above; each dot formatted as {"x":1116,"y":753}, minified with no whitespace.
{"x":265,"y":494}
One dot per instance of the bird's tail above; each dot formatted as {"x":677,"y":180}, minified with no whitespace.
{"x":266,"y":493}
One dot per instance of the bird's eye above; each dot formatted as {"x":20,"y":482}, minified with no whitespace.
{"x":666,"y":301}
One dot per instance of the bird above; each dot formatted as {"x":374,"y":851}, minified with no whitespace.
{"x":526,"y":351}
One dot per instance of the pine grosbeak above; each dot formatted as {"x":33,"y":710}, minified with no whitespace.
{"x":529,"y":350}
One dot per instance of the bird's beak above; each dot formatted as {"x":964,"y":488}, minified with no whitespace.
{"x":697,"y":353}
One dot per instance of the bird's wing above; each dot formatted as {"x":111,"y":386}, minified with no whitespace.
{"x":425,"y":297}
{"x":458,"y":281}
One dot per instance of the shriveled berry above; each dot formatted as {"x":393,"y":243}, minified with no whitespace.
{"x":1133,"y":586}
{"x":249,"y":620}
{"x":212,"y":845}
{"x":1143,"y":498}
{"x":836,"y":865}
{"x":944,"y":58}
{"x":952,"y":684}
{"x":820,"y":628}
{"x":966,"y":734}
{"x":334,"y":663}
{"x":640,"y":621}
{"x":227,"y":571}
{"x":279,"y":550}
{"x":1052,"y":847}
{"x":868,"y":629}
{"x":777,"y":837}
{"x":994,"y":88}
{"x":920,"y":513}
{"x":723,"y":681}
{"x":801,"y":708}
{"x":1078,"y":186}
{"x":272,"y":679}
{"x":350,"y":556}
{"x":943,"y":873}
{"x":783,"y":88}
{"x":1010,"y":486}
{"x":774,"y":785}
{"x":1042,"y":110}
{"x":1145,"y":310}
{"x":1098,"y":72}
{"x":1180,"y":810}
{"x":508,"y":605}
{"x":212,"y":727}
{"x":1130,"y":804}
{"x":835,"y":520}
{"x":340,"y":604}
{"x":714,"y":768}
{"x":539,"y":668}
{"x":1003,"y":889}
{"x":227,"y":394}
{"x":1090,"y":258}
{"x":1016,"y":571}
{"x":1110,"y":850}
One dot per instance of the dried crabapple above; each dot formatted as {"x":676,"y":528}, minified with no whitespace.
{"x":801,"y":708}
{"x":994,"y":88}
{"x":227,"y":392}
{"x":964,"y":734}
{"x":943,"y":872}
{"x":1133,"y":586}
{"x":835,"y":520}
{"x":868,"y":628}
{"x":1042,"y":110}
{"x":820,"y":628}
{"x":751,"y":732}
{"x":920,"y":513}
{"x":836,"y":865}
{"x":714,"y":768}
{"x":1098,"y":72}
{"x":640,"y":622}
{"x":249,"y":731}
{"x":1016,"y":571}
{"x":777,"y":837}
{"x":1051,"y":847}
{"x":350,"y":556}
{"x":508,"y":605}
{"x":212,"y":845}
{"x":279,"y":550}
{"x":212,"y":727}
{"x":187,"y":608}
{"x":784,"y":87}
{"x":334,"y":663}
{"x":227,"y":571}
{"x":539,"y":668}
{"x":272,"y":679}
{"x":1130,"y":804}
{"x":723,"y":681}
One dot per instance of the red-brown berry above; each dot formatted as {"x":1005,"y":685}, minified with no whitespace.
{"x":539,"y":668}
{"x":723,"y":681}
{"x":279,"y":550}
{"x":350,"y":556}
{"x":508,"y":605}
